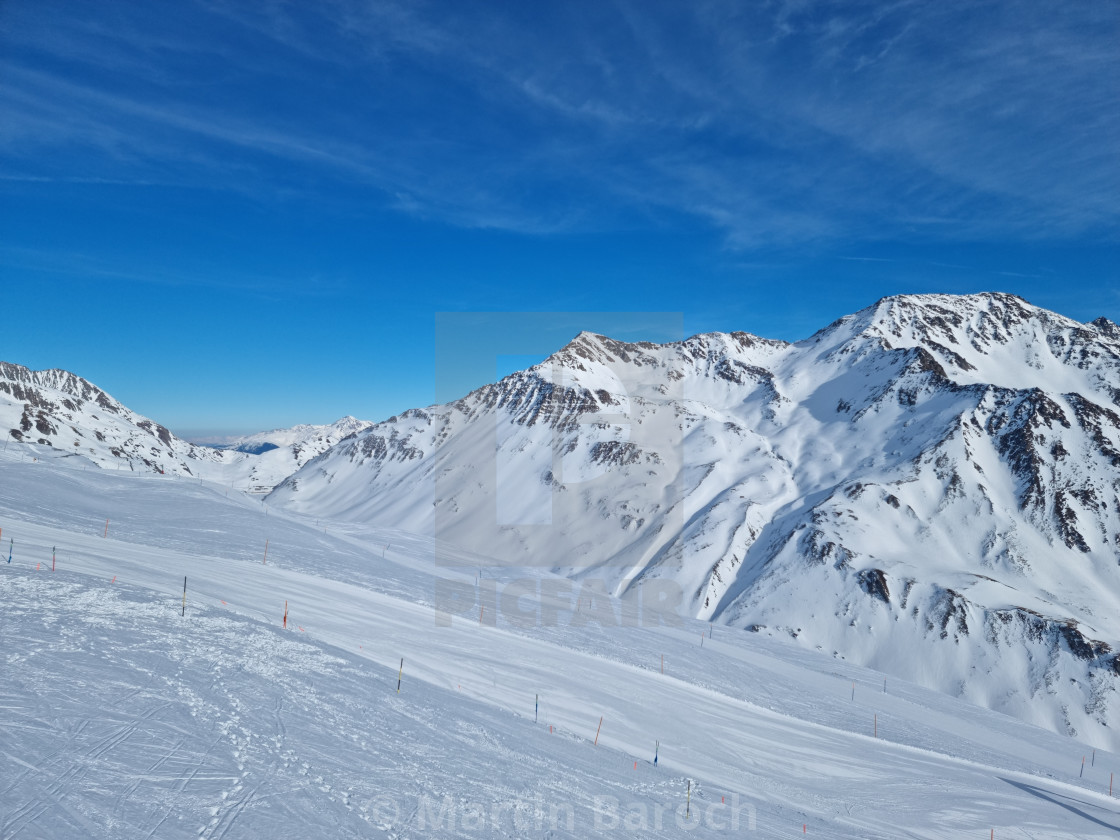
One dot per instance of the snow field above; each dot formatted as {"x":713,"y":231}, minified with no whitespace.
{"x":122,"y":719}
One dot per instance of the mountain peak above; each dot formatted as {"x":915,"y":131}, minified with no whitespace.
{"x":1106,"y":327}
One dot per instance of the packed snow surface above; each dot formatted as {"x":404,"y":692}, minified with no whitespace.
{"x":123,"y":718}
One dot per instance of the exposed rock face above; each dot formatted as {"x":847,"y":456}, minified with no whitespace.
{"x":56,"y":408}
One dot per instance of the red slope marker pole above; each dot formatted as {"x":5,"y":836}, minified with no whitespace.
{"x":265,"y":561}
{"x":106,"y":533}
{"x":285,"y":615}
{"x":597,"y":731}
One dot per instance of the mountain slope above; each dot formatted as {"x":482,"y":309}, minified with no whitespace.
{"x":928,"y":486}
{"x":277,"y":454}
{"x":56,"y":408}
{"x":59,"y":409}
{"x":129,"y":715}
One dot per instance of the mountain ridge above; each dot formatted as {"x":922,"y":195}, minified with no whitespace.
{"x":927,"y":486}
{"x":932,"y":474}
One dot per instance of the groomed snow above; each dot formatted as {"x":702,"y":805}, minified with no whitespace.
{"x":123,"y":719}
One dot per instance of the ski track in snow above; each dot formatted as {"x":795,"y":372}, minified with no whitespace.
{"x":123,"y":719}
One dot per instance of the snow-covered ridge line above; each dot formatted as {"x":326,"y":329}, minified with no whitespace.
{"x":57,"y":408}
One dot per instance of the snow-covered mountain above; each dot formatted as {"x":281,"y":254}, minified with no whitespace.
{"x":276,"y":454}
{"x":58,"y":409}
{"x":62,"y":410}
{"x":928,"y":486}
{"x":305,"y":436}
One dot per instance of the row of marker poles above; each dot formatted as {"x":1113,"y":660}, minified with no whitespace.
{"x":537,"y":697}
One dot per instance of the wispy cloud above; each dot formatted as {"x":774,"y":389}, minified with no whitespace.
{"x":775,"y":123}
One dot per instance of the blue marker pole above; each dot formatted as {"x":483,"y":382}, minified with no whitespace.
{"x":537,"y":709}
{"x":656,"y":747}
{"x":11,"y":543}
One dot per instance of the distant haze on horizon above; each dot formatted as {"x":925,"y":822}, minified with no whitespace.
{"x":236,"y":218}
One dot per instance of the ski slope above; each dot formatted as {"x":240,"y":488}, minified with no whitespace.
{"x":122,"y":718}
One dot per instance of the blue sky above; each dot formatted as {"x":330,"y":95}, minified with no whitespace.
{"x":235,"y":216}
